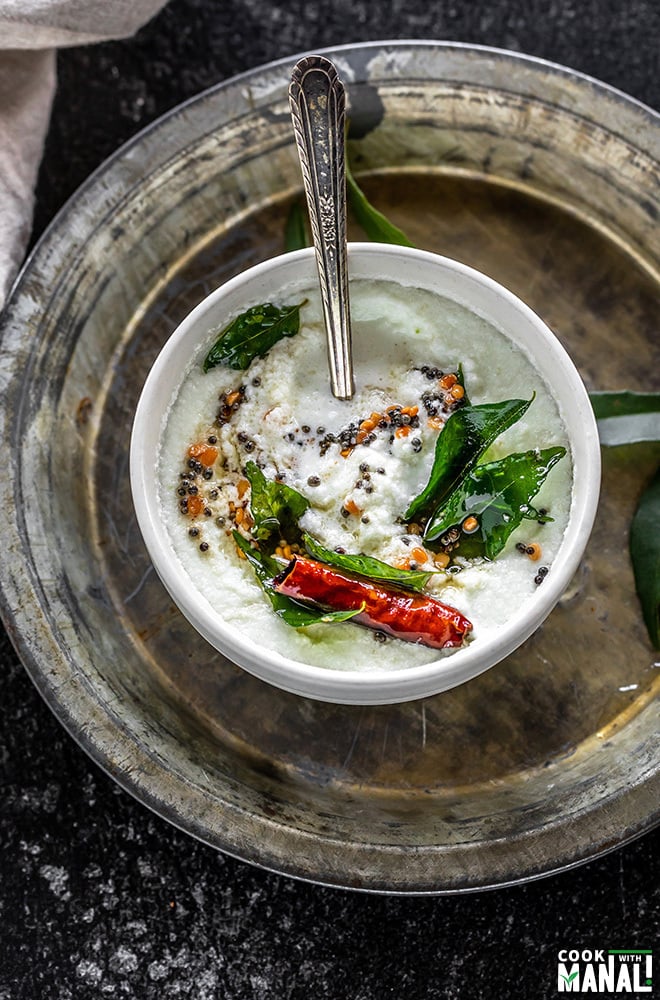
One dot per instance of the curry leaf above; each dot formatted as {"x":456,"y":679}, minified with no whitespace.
{"x":498,"y":495}
{"x":367,"y":566}
{"x":624,"y":404}
{"x":265,"y":566}
{"x":274,"y":506}
{"x":375,"y":224}
{"x":292,"y":612}
{"x":626,"y":417}
{"x":460,"y":376}
{"x":300,"y":615}
{"x":252,"y":334}
{"x":645,"y":554}
{"x":464,"y":438}
{"x":295,"y":232}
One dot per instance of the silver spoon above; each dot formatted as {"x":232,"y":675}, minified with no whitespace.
{"x":318,"y":109}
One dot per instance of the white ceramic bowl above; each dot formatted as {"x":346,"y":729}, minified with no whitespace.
{"x":418,"y":269}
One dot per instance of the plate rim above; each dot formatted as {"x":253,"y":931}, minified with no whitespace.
{"x":71,"y":203}
{"x":15,"y":619}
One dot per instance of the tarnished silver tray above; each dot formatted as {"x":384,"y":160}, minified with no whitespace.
{"x":542,"y":178}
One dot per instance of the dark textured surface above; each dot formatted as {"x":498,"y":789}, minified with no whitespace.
{"x":100,"y":898}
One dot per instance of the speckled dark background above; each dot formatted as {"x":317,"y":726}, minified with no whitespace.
{"x":100,"y":898}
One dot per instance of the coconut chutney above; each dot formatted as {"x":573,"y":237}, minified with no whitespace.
{"x":358,"y":462}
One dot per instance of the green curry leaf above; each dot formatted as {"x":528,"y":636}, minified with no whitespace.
{"x":464,"y":438}
{"x":252,"y":334}
{"x":626,"y":417}
{"x":375,"y":224}
{"x":274,"y":506}
{"x":624,"y":404}
{"x":498,"y":495}
{"x":367,"y":566}
{"x":460,"y":376}
{"x":645,"y":554}
{"x":295,"y":232}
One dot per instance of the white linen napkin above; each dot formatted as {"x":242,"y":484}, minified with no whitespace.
{"x":30,"y":30}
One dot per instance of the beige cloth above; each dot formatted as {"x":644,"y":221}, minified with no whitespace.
{"x":30,"y":30}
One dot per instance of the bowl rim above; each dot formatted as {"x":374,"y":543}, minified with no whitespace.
{"x":377,"y":685}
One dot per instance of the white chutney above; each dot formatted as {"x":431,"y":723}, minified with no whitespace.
{"x":283,"y":421}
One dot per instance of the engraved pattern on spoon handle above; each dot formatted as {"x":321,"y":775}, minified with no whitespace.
{"x":318,"y":110}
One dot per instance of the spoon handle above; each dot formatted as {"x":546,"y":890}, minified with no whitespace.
{"x":318,"y":109}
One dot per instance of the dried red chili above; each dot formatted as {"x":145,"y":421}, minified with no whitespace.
{"x":401,"y":613}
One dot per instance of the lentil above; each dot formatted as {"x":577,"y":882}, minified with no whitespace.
{"x":195,"y":506}
{"x":202,"y":454}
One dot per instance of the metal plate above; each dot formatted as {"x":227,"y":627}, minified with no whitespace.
{"x":538,"y":176}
